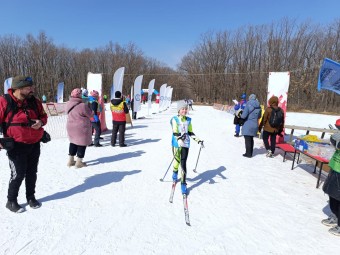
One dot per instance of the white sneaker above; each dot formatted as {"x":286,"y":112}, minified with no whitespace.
{"x":269,"y":154}
{"x":335,"y":231}
{"x":331,"y":221}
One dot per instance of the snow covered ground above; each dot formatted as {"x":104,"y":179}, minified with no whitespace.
{"x":118,"y":205}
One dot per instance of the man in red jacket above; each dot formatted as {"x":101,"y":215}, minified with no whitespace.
{"x":23,"y":123}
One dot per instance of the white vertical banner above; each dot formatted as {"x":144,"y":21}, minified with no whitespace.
{"x":278,"y":85}
{"x":118,"y":80}
{"x":161,"y":97}
{"x":94,"y":82}
{"x":150,"y":91}
{"x":167,"y":97}
{"x":7,"y":85}
{"x":60,"y":93}
{"x":170,"y":96}
{"x":137,"y":93}
{"x":112,"y":92}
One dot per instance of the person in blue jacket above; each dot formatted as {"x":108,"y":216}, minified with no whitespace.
{"x":251,"y":114}
{"x":96,"y":108}
{"x":238,"y":111}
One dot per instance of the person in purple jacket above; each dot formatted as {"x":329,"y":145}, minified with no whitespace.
{"x":79,"y":128}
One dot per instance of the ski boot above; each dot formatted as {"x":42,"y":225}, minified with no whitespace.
{"x":174,"y":176}
{"x":184,"y":188}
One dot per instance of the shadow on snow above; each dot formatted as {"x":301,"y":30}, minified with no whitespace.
{"x":207,"y":176}
{"x":95,"y":181}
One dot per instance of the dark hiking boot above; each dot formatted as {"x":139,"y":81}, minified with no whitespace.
{"x":13,"y":206}
{"x":122,"y":145}
{"x":33,"y":203}
{"x":98,"y":145}
{"x":245,"y":155}
{"x":237,"y":135}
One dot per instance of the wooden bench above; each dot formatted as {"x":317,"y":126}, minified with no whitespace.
{"x":287,"y":148}
{"x":317,"y":160}
{"x":308,"y":129}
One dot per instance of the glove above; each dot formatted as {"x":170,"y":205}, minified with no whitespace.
{"x":96,"y":119}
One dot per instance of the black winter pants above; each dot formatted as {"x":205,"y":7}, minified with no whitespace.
{"x":23,"y":162}
{"x":249,"y":141}
{"x":78,"y":150}
{"x":96,"y":126}
{"x":335,"y":208}
{"x":265,"y":137}
{"x":181,"y":156}
{"x":121,"y":128}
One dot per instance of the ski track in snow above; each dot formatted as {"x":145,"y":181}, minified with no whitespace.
{"x":117,"y":205}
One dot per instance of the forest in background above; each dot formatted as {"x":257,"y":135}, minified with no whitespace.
{"x":220,"y":67}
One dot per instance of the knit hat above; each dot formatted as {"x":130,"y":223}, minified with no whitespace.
{"x":181,"y":104}
{"x":118,"y":94}
{"x":76,"y":93}
{"x":21,"y":81}
{"x":244,"y":96}
{"x":94,"y":93}
{"x":337,"y":124}
{"x":252,"y":97}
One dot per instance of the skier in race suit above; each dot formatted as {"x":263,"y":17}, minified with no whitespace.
{"x":181,"y":133}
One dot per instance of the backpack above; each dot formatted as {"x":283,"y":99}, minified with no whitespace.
{"x":13,"y":108}
{"x":276,"y":118}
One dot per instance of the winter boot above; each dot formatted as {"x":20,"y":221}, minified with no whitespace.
{"x":33,"y":203}
{"x":71,"y":161}
{"x":331,"y":221}
{"x":174,"y":176}
{"x":335,"y":231}
{"x":184,"y":188}
{"x":13,"y":206}
{"x":80,"y":163}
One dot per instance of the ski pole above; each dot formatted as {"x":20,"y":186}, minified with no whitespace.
{"x":198,"y":158}
{"x":161,"y":179}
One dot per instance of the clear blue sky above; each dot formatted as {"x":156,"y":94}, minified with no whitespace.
{"x":164,"y":30}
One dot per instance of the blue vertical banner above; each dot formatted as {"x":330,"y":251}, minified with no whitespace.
{"x":329,"y":76}
{"x":60,"y":93}
{"x":7,"y":85}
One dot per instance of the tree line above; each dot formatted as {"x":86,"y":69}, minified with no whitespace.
{"x":219,"y":68}
{"x":225,"y":64}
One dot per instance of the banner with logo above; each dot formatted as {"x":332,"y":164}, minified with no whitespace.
{"x":118,"y":80}
{"x":278,"y":85}
{"x":150,"y":91}
{"x":161,"y":96}
{"x":94,"y":82}
{"x":329,"y":76}
{"x":137,"y":88}
{"x":7,"y":85}
{"x":60,"y":93}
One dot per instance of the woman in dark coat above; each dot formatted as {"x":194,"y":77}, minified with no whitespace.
{"x":332,"y":186}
